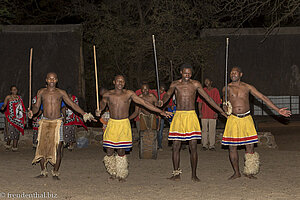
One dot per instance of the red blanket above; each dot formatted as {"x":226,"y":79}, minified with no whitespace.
{"x":15,"y":114}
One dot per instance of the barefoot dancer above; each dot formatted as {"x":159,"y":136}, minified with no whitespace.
{"x":14,"y":118}
{"x":50,"y":136}
{"x":118,"y":132}
{"x":240,"y":128}
{"x":185,"y":125}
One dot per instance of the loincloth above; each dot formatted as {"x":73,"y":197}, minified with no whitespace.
{"x":147,"y":122}
{"x":185,"y":126}
{"x":239,"y":131}
{"x":49,"y":136}
{"x":118,"y":134}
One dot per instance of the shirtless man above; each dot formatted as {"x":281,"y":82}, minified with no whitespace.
{"x":185,"y":125}
{"x":51,"y":125}
{"x":240,"y":128}
{"x":148,"y":120}
{"x":118,"y":132}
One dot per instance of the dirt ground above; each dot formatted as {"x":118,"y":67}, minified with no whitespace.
{"x":83,"y":175}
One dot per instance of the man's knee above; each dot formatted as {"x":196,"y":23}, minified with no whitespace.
{"x":232,"y":148}
{"x":193,"y":145}
{"x":176,"y":145}
{"x":121,"y":152}
{"x":110,"y":151}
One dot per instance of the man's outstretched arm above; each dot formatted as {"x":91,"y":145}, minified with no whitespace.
{"x":256,"y":93}
{"x":148,"y":105}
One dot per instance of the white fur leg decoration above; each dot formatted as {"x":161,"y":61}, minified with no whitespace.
{"x":110,"y":164}
{"x":251,"y":164}
{"x":121,"y":167}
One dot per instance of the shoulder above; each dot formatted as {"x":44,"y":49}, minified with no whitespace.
{"x":175,"y":83}
{"x":246,"y":85}
{"x":196,"y":83}
{"x":41,"y":91}
{"x":130,"y":92}
{"x":61,"y":91}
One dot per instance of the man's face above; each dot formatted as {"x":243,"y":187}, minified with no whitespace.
{"x":235,"y":74}
{"x":207,"y":82}
{"x":51,"y":79}
{"x":14,"y":90}
{"x":145,"y":89}
{"x":186,"y":74}
{"x":119,"y":82}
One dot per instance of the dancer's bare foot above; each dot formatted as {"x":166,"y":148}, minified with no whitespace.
{"x":122,"y":180}
{"x":111,"y":178}
{"x":250,"y":176}
{"x":56,"y":178}
{"x":174,"y":178}
{"x":41,"y":176}
{"x":195,"y":179}
{"x":234,"y":176}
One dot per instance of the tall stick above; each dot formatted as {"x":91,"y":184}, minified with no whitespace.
{"x":96,"y":77}
{"x":226,"y":68}
{"x":171,"y":71}
{"x":30,"y":72}
{"x":156,"y":68}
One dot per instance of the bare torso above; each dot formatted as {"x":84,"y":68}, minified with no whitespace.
{"x":51,"y":100}
{"x":149,"y":98}
{"x":238,"y":95}
{"x":118,"y":103}
{"x":185,"y":93}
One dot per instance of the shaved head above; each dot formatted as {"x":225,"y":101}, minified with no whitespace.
{"x":51,"y":74}
{"x":119,"y":76}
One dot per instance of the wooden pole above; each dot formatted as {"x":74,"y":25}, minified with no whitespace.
{"x":30,"y":75}
{"x":156,"y":67}
{"x":226,"y":69}
{"x":96,"y":77}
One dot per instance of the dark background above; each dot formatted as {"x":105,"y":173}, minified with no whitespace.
{"x":55,"y":49}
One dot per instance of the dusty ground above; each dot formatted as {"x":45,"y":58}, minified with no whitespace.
{"x":83,"y":175}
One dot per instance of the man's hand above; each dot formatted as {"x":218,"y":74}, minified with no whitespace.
{"x":225,"y":108}
{"x":160,"y":103}
{"x":166,"y":114}
{"x":224,"y":114}
{"x":89,"y":117}
{"x":97,"y":113}
{"x":285,"y":112}
{"x":216,"y":115}
{"x":30,"y":114}
{"x":200,"y":115}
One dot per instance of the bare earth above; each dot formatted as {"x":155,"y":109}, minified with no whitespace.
{"x":83,"y":175}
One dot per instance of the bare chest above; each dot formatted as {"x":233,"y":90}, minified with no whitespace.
{"x":51,"y":97}
{"x":119,"y":99}
{"x":237,"y":92}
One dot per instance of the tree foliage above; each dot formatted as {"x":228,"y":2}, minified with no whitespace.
{"x":122,"y":30}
